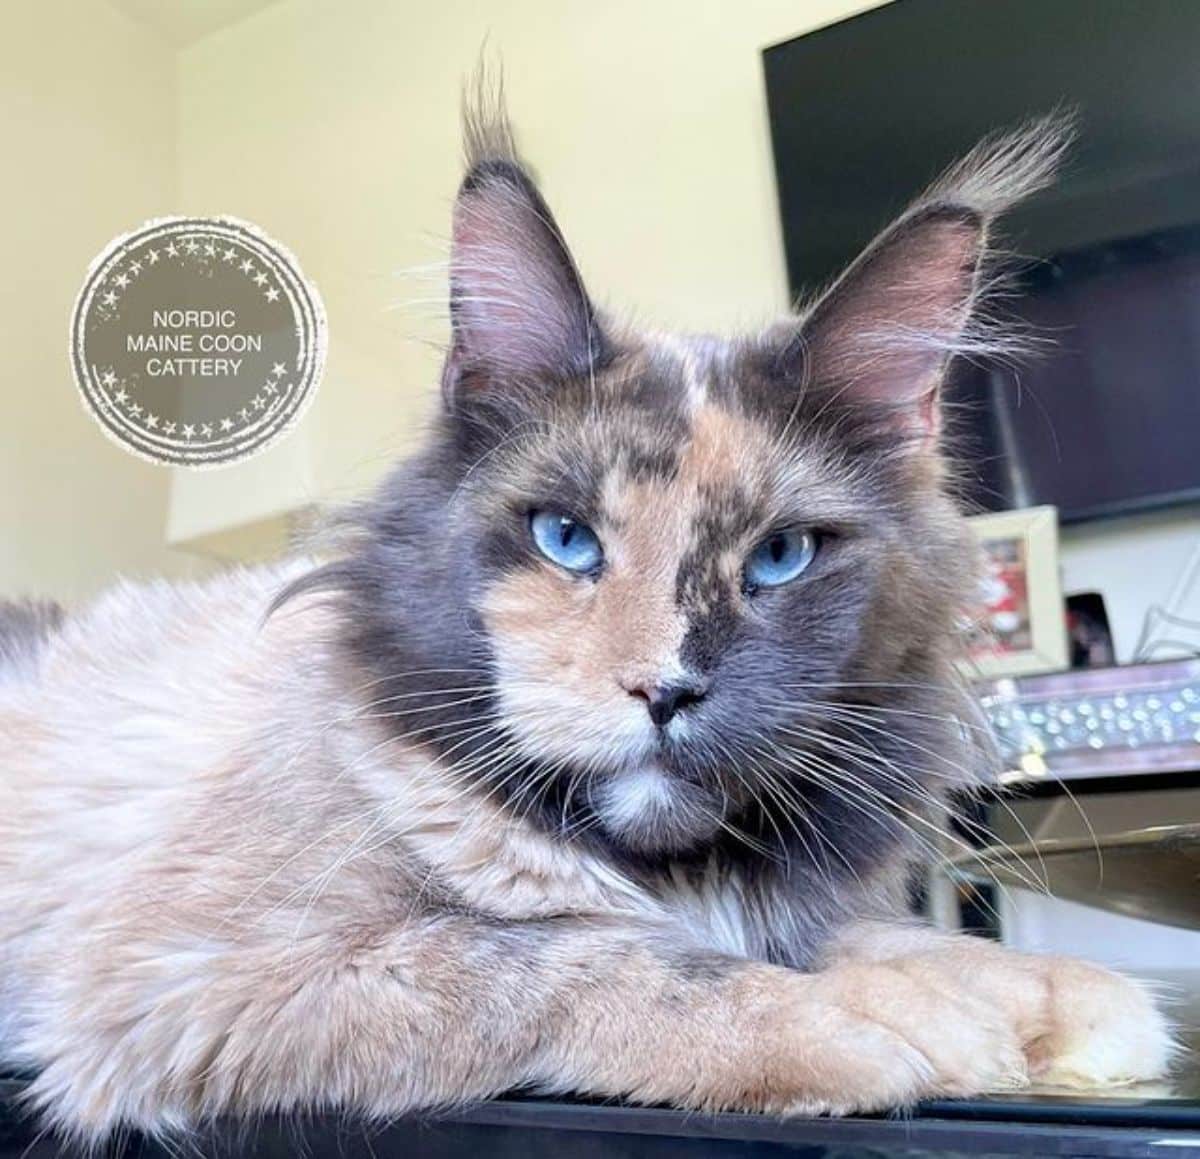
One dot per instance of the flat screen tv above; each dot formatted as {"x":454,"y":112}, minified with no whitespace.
{"x":1106,"y":419}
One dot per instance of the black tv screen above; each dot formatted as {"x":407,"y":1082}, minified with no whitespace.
{"x":1106,"y":418}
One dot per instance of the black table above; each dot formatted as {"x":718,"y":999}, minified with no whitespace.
{"x":1163,"y":1123}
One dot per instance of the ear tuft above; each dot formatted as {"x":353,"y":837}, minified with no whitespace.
{"x":1007,"y":167}
{"x":518,"y":308}
{"x":488,"y":137}
{"x":885,"y":331}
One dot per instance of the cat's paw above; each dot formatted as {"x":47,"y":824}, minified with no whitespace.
{"x":1104,"y":1029}
{"x":1079,"y":1025}
{"x":877,"y":1038}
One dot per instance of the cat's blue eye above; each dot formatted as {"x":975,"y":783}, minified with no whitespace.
{"x":566,"y":541}
{"x":780,"y":558}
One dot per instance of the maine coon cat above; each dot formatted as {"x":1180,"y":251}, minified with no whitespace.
{"x":599,"y":761}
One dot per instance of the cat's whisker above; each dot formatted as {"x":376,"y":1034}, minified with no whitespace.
{"x":1015,"y":817}
{"x":863,"y":797}
{"x":793,"y":810}
{"x":887,"y":805}
{"x":932,"y":754}
{"x":356,"y":850}
{"x":783,"y":855}
{"x":873,"y":710}
{"x":872,"y":762}
{"x":733,"y":761}
{"x":426,"y":709}
{"x":470,"y":732}
{"x":343,"y":718}
{"x":393,"y":835}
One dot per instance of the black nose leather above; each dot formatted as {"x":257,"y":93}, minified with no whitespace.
{"x":665,"y":700}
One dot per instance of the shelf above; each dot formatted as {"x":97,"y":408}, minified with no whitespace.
{"x":1129,"y":720}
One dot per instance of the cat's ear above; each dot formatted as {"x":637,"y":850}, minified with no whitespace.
{"x":885,"y":330}
{"x":518,"y":308}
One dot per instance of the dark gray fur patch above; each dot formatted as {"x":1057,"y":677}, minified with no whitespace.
{"x":702,"y":966}
{"x":24,"y":629}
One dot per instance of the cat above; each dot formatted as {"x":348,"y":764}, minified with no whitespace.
{"x":600,"y":759}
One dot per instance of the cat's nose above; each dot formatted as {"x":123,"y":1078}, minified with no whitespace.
{"x":664,"y":701}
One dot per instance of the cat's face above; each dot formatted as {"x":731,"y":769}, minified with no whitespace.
{"x":675,"y":582}
{"x":693,"y":590}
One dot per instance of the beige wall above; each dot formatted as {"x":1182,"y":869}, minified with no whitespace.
{"x":87,"y":101}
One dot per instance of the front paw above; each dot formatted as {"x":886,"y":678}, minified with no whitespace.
{"x":877,"y":1037}
{"x":1079,"y":1025}
{"x":1104,"y":1029}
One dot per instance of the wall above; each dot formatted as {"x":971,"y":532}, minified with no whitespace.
{"x":87,"y":101}
{"x":1135,"y":562}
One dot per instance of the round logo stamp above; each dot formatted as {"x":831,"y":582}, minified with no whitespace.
{"x":196,"y":341}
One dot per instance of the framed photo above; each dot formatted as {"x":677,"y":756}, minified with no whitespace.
{"x":1019,"y":625}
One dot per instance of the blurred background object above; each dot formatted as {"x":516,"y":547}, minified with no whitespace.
{"x":1088,"y":632}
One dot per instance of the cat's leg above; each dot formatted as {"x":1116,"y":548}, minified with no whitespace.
{"x":1079,"y":1024}
{"x":456,"y":1009}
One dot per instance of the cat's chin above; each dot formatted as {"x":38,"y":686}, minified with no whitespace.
{"x":650,"y":811}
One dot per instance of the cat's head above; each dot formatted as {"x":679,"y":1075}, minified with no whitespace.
{"x":674,"y":590}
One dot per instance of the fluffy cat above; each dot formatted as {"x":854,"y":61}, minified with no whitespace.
{"x":600,"y":760}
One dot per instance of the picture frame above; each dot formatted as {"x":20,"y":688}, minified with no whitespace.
{"x":1019,"y":626}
